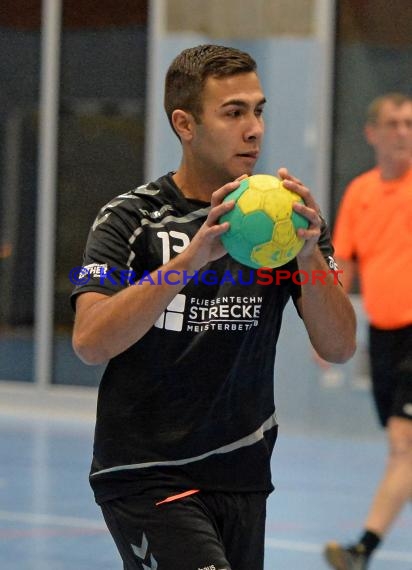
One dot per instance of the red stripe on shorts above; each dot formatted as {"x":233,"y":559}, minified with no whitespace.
{"x":179,"y":496}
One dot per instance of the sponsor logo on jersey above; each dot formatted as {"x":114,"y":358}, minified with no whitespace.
{"x":232,"y":313}
{"x":95,"y":270}
{"x":226,"y":313}
{"x":172,"y":318}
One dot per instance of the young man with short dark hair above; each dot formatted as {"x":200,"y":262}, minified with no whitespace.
{"x":186,"y":419}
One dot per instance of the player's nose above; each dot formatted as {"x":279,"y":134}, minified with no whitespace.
{"x":255,"y":128}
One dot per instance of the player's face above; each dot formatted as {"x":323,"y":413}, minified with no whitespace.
{"x":228,"y":139}
{"x":391,"y":135}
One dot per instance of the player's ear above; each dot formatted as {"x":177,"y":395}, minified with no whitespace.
{"x":183,"y":123}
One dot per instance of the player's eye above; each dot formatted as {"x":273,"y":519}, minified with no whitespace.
{"x":235,"y":113}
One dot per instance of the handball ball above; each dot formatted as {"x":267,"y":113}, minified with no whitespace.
{"x":263,"y":225}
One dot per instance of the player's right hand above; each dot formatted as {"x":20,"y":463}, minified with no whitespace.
{"x":206,"y":245}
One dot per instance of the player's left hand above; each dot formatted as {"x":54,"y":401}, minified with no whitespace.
{"x":310,"y":210}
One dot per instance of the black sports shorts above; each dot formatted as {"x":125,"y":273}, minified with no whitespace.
{"x":203,"y":531}
{"x":391,"y":370}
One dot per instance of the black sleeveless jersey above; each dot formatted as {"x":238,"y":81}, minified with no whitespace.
{"x":191,"y":404}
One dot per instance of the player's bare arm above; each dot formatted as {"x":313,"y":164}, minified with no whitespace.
{"x":326,"y":309}
{"x":106,"y":325}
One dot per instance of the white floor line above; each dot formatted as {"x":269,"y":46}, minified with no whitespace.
{"x":79,"y":522}
{"x":39,"y":519}
{"x":393,"y":555}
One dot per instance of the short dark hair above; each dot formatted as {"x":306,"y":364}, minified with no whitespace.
{"x":375,"y":106}
{"x":188,"y":72}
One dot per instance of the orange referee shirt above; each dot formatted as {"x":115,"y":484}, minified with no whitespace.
{"x":374,"y":226}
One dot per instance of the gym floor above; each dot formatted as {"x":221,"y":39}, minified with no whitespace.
{"x":49,"y":521}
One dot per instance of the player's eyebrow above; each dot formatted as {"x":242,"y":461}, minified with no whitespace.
{"x":242,"y":103}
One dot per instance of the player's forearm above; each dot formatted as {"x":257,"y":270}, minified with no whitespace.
{"x":111,"y":325}
{"x":327,"y":312}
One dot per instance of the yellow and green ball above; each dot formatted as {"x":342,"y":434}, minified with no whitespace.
{"x":263,"y":224}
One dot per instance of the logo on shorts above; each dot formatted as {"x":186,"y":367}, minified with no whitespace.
{"x":142,"y":553}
